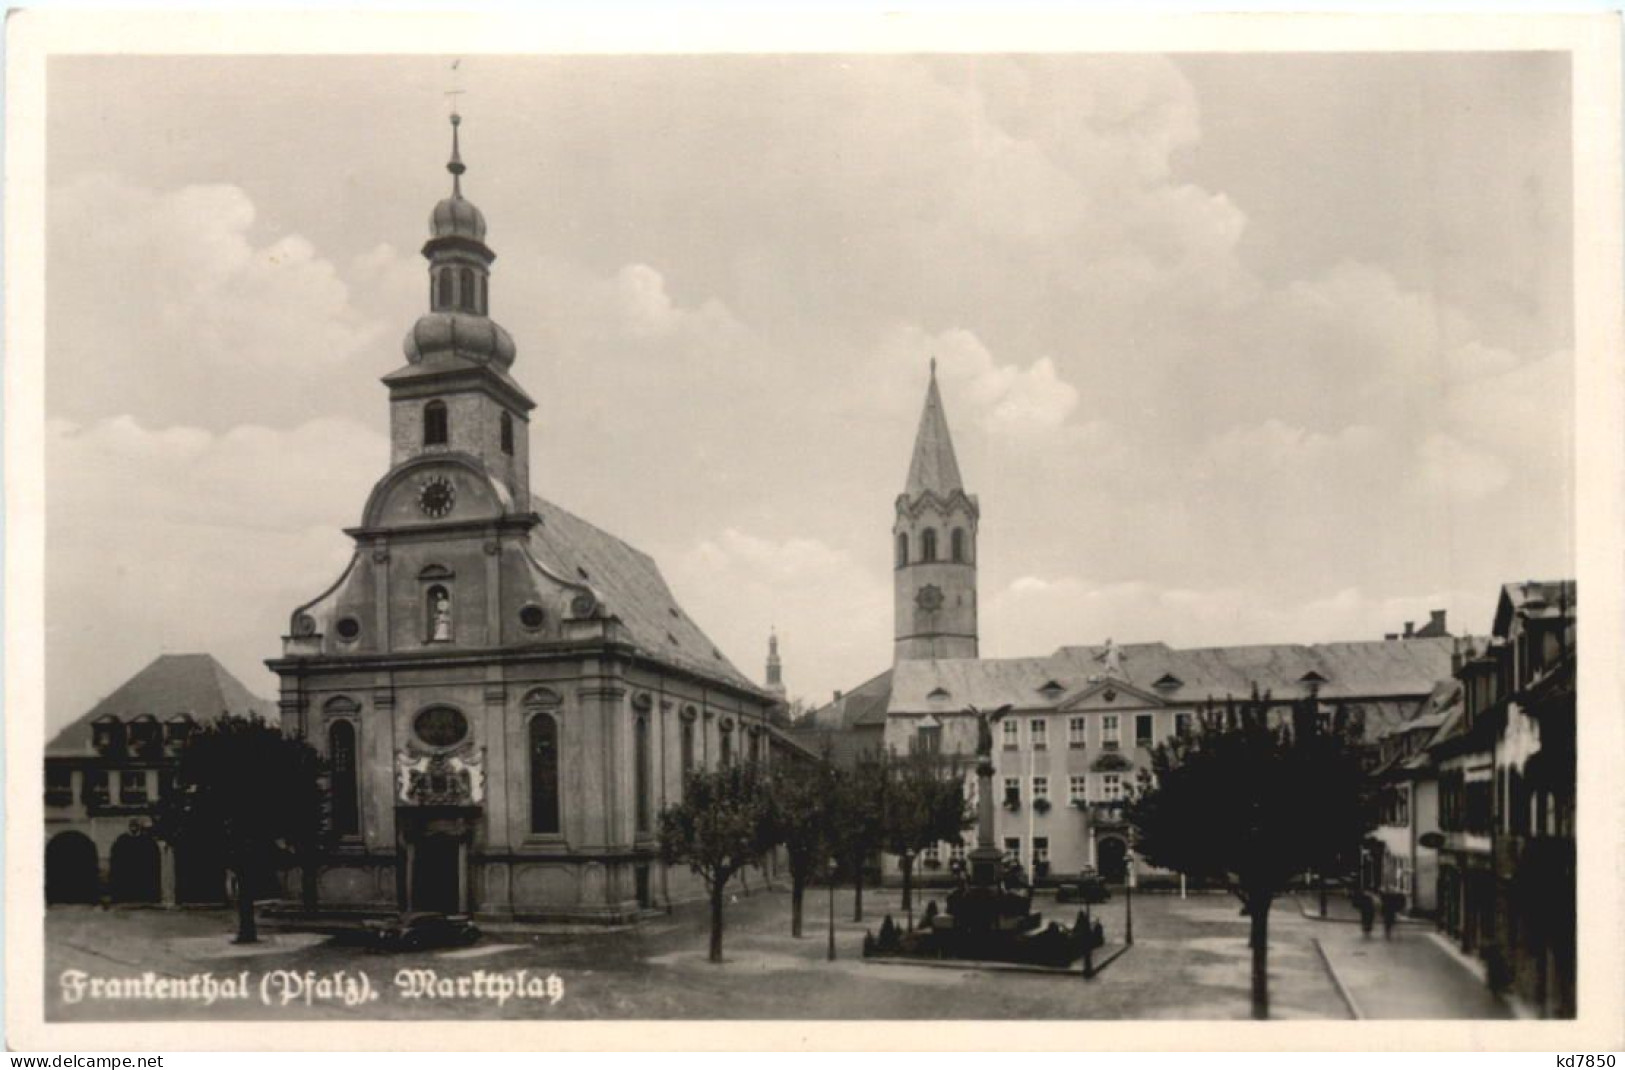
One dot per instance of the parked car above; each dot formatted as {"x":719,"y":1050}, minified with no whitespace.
{"x":423,"y":930}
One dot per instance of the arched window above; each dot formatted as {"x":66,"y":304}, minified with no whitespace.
{"x":507,"y":434}
{"x":480,"y":282}
{"x":640,"y":771}
{"x":437,"y":613}
{"x":444,"y":301}
{"x":928,"y":544}
{"x":465,"y":287}
{"x":902,"y":548}
{"x":726,"y":753}
{"x":688,"y":748}
{"x":436,"y":426}
{"x":957,"y":543}
{"x":342,"y":778}
{"x":544,"y":774}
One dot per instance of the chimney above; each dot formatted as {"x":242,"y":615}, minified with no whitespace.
{"x":1437,"y":621}
{"x":1410,"y":629}
{"x":1455,"y":658}
{"x":837,"y":696}
{"x":1391,"y":636}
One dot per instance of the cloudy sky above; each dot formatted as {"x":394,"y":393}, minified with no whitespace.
{"x":1234,"y":348}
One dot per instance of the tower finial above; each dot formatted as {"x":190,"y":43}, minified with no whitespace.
{"x":455,"y":165}
{"x":933,"y":367}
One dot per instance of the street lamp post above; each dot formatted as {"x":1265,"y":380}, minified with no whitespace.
{"x":833,"y":865}
{"x":1128,"y":903}
{"x":908,"y":897}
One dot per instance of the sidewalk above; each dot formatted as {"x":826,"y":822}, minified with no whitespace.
{"x":1339,"y":908}
{"x":1405,"y":977}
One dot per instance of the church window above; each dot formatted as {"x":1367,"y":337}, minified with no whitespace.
{"x":902,"y":548}
{"x":342,"y":780}
{"x":687,"y":745}
{"x":444,"y":297}
{"x":479,"y":281}
{"x":465,"y":288}
{"x":436,"y":426}
{"x":348,"y":628}
{"x":544,"y":774}
{"x":532,"y":617}
{"x":957,"y":541}
{"x":506,"y":425}
{"x":437,"y":614}
{"x":640,"y":771}
{"x":440,"y":726}
{"x":928,"y":544}
{"x":726,"y":748}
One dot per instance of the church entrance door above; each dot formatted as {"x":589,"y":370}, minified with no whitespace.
{"x":1113,"y":858}
{"x":437,"y":875}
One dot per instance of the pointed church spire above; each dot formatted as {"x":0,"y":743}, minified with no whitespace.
{"x":934,"y":467}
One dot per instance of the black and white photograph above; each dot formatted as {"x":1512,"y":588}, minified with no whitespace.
{"x":930,"y":533}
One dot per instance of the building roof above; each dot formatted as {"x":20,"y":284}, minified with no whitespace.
{"x":633,"y":591}
{"x":193,"y":684}
{"x":933,"y":467}
{"x":1398,"y":671}
{"x":1535,"y":599}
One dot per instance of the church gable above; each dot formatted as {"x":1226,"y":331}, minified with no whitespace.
{"x":447,"y":487}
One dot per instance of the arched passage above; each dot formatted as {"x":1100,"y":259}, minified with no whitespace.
{"x":70,"y":869}
{"x":134,"y":875}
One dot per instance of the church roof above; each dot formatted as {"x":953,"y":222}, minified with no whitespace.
{"x":633,"y":591}
{"x":193,"y":684}
{"x":1385,"y":673}
{"x":933,"y":467}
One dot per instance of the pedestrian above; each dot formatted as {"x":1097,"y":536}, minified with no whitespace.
{"x":1390,"y":914}
{"x":1368,"y":912}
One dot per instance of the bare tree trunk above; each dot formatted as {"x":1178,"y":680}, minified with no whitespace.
{"x":1259,"y":908}
{"x":907,"y":865}
{"x":857,"y":889}
{"x":798,"y":885}
{"x":717,"y":892}
{"x":247,"y":931}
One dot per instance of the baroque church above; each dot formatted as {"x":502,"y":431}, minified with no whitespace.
{"x":506,"y":695}
{"x":1083,"y":719}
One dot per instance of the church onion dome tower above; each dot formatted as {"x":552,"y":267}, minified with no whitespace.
{"x":458,"y":322}
{"x":934,"y":539}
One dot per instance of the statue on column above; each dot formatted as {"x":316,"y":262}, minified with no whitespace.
{"x":442,"y":615}
{"x":985,"y":720}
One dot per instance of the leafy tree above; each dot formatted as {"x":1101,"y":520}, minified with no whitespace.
{"x":924,"y":803}
{"x":723,"y":824}
{"x":859,"y":818}
{"x":249,"y":795}
{"x":804,"y":796}
{"x":1254,"y":800}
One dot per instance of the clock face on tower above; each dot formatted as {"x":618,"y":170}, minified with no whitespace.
{"x":436,"y":496}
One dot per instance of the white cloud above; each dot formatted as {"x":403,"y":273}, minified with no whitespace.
{"x":1004,"y":399}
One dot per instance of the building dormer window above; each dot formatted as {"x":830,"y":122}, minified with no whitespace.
{"x":506,"y":425}
{"x":957,"y":545}
{"x":928,"y":545}
{"x":902,"y":549}
{"x":107,"y":735}
{"x":145,"y":736}
{"x":436,"y":424}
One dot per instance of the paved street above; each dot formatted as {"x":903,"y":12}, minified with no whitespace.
{"x":1407,"y":976}
{"x":1189,"y":960}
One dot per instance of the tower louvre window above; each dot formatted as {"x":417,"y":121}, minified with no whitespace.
{"x":465,"y":287}
{"x":443,"y":299}
{"x":480,"y":282}
{"x":436,"y":424}
{"x":928,"y":544}
{"x":902,"y":548}
{"x":507,"y":434}
{"x":957,"y":541}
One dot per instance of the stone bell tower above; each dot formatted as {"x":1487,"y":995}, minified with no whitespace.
{"x":934,"y":547}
